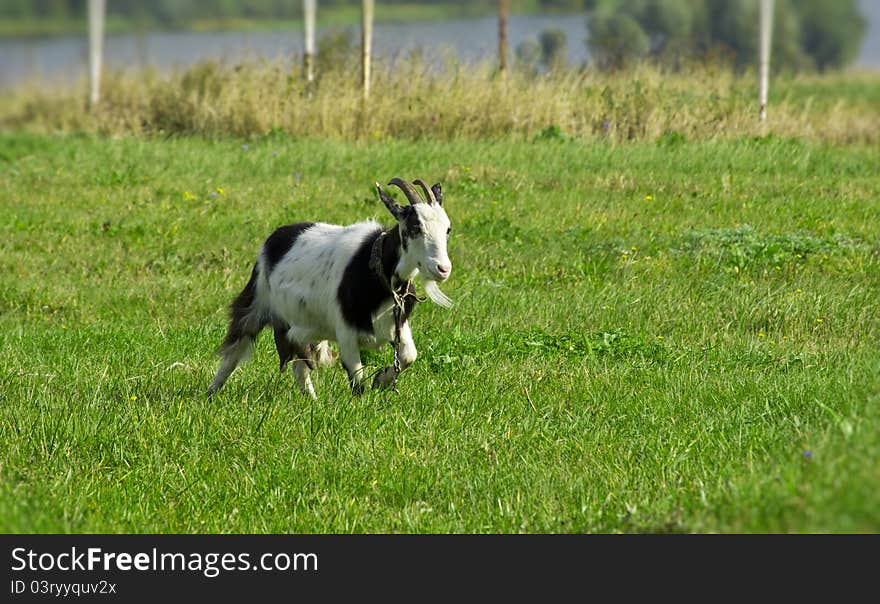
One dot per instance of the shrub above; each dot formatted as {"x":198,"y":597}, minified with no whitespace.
{"x":554,"y":47}
{"x":616,"y":39}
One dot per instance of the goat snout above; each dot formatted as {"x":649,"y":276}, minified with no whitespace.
{"x":443,"y":270}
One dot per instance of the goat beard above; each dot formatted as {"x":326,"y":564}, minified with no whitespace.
{"x":432,"y":290}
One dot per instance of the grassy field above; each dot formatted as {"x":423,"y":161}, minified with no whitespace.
{"x":657,"y":336}
{"x":412,"y":99}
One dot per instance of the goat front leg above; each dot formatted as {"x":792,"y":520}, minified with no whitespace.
{"x":406,"y":354}
{"x":350,"y":355}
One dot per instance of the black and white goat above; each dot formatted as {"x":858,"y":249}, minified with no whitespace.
{"x":314,"y":282}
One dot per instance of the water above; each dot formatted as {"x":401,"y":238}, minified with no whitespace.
{"x":470,"y":39}
{"x":870,"y":55}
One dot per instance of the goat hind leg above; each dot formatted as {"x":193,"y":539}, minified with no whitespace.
{"x":301,"y":370}
{"x":232,"y":356}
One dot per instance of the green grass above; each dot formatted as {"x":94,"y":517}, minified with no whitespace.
{"x":658,"y":336}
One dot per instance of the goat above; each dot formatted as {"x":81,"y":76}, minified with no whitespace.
{"x":315,"y":282}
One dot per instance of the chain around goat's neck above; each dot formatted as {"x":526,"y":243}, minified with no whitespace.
{"x":398,"y":296}
{"x":379,"y":269}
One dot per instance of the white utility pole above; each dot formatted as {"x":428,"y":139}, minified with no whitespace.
{"x":766,"y":33}
{"x":366,"y":43}
{"x":96,"y":48}
{"x":309,"y":57}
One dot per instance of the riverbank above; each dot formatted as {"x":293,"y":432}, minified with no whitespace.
{"x":334,"y":16}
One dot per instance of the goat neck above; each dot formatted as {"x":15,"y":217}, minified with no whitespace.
{"x":387,"y":258}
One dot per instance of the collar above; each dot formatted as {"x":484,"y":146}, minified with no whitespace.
{"x":379,"y":269}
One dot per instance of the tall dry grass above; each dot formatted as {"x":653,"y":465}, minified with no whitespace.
{"x":414,"y":101}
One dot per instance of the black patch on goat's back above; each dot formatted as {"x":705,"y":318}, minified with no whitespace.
{"x":361,"y":292}
{"x":280,"y":242}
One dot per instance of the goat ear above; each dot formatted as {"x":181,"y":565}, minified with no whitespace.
{"x":437,"y":193}
{"x":395,"y":208}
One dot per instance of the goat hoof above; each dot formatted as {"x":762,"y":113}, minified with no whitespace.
{"x":357,"y":389}
{"x":385,"y":379}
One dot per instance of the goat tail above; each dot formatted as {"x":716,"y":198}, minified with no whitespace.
{"x":247,"y":317}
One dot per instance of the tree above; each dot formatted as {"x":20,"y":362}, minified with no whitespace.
{"x":824,"y":33}
{"x":831,"y":32}
{"x":667,"y":21}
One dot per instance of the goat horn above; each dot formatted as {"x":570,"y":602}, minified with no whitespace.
{"x":407,"y":189}
{"x":429,"y":194}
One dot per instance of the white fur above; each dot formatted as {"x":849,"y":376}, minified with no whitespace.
{"x":432,"y":290}
{"x":432,"y":244}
